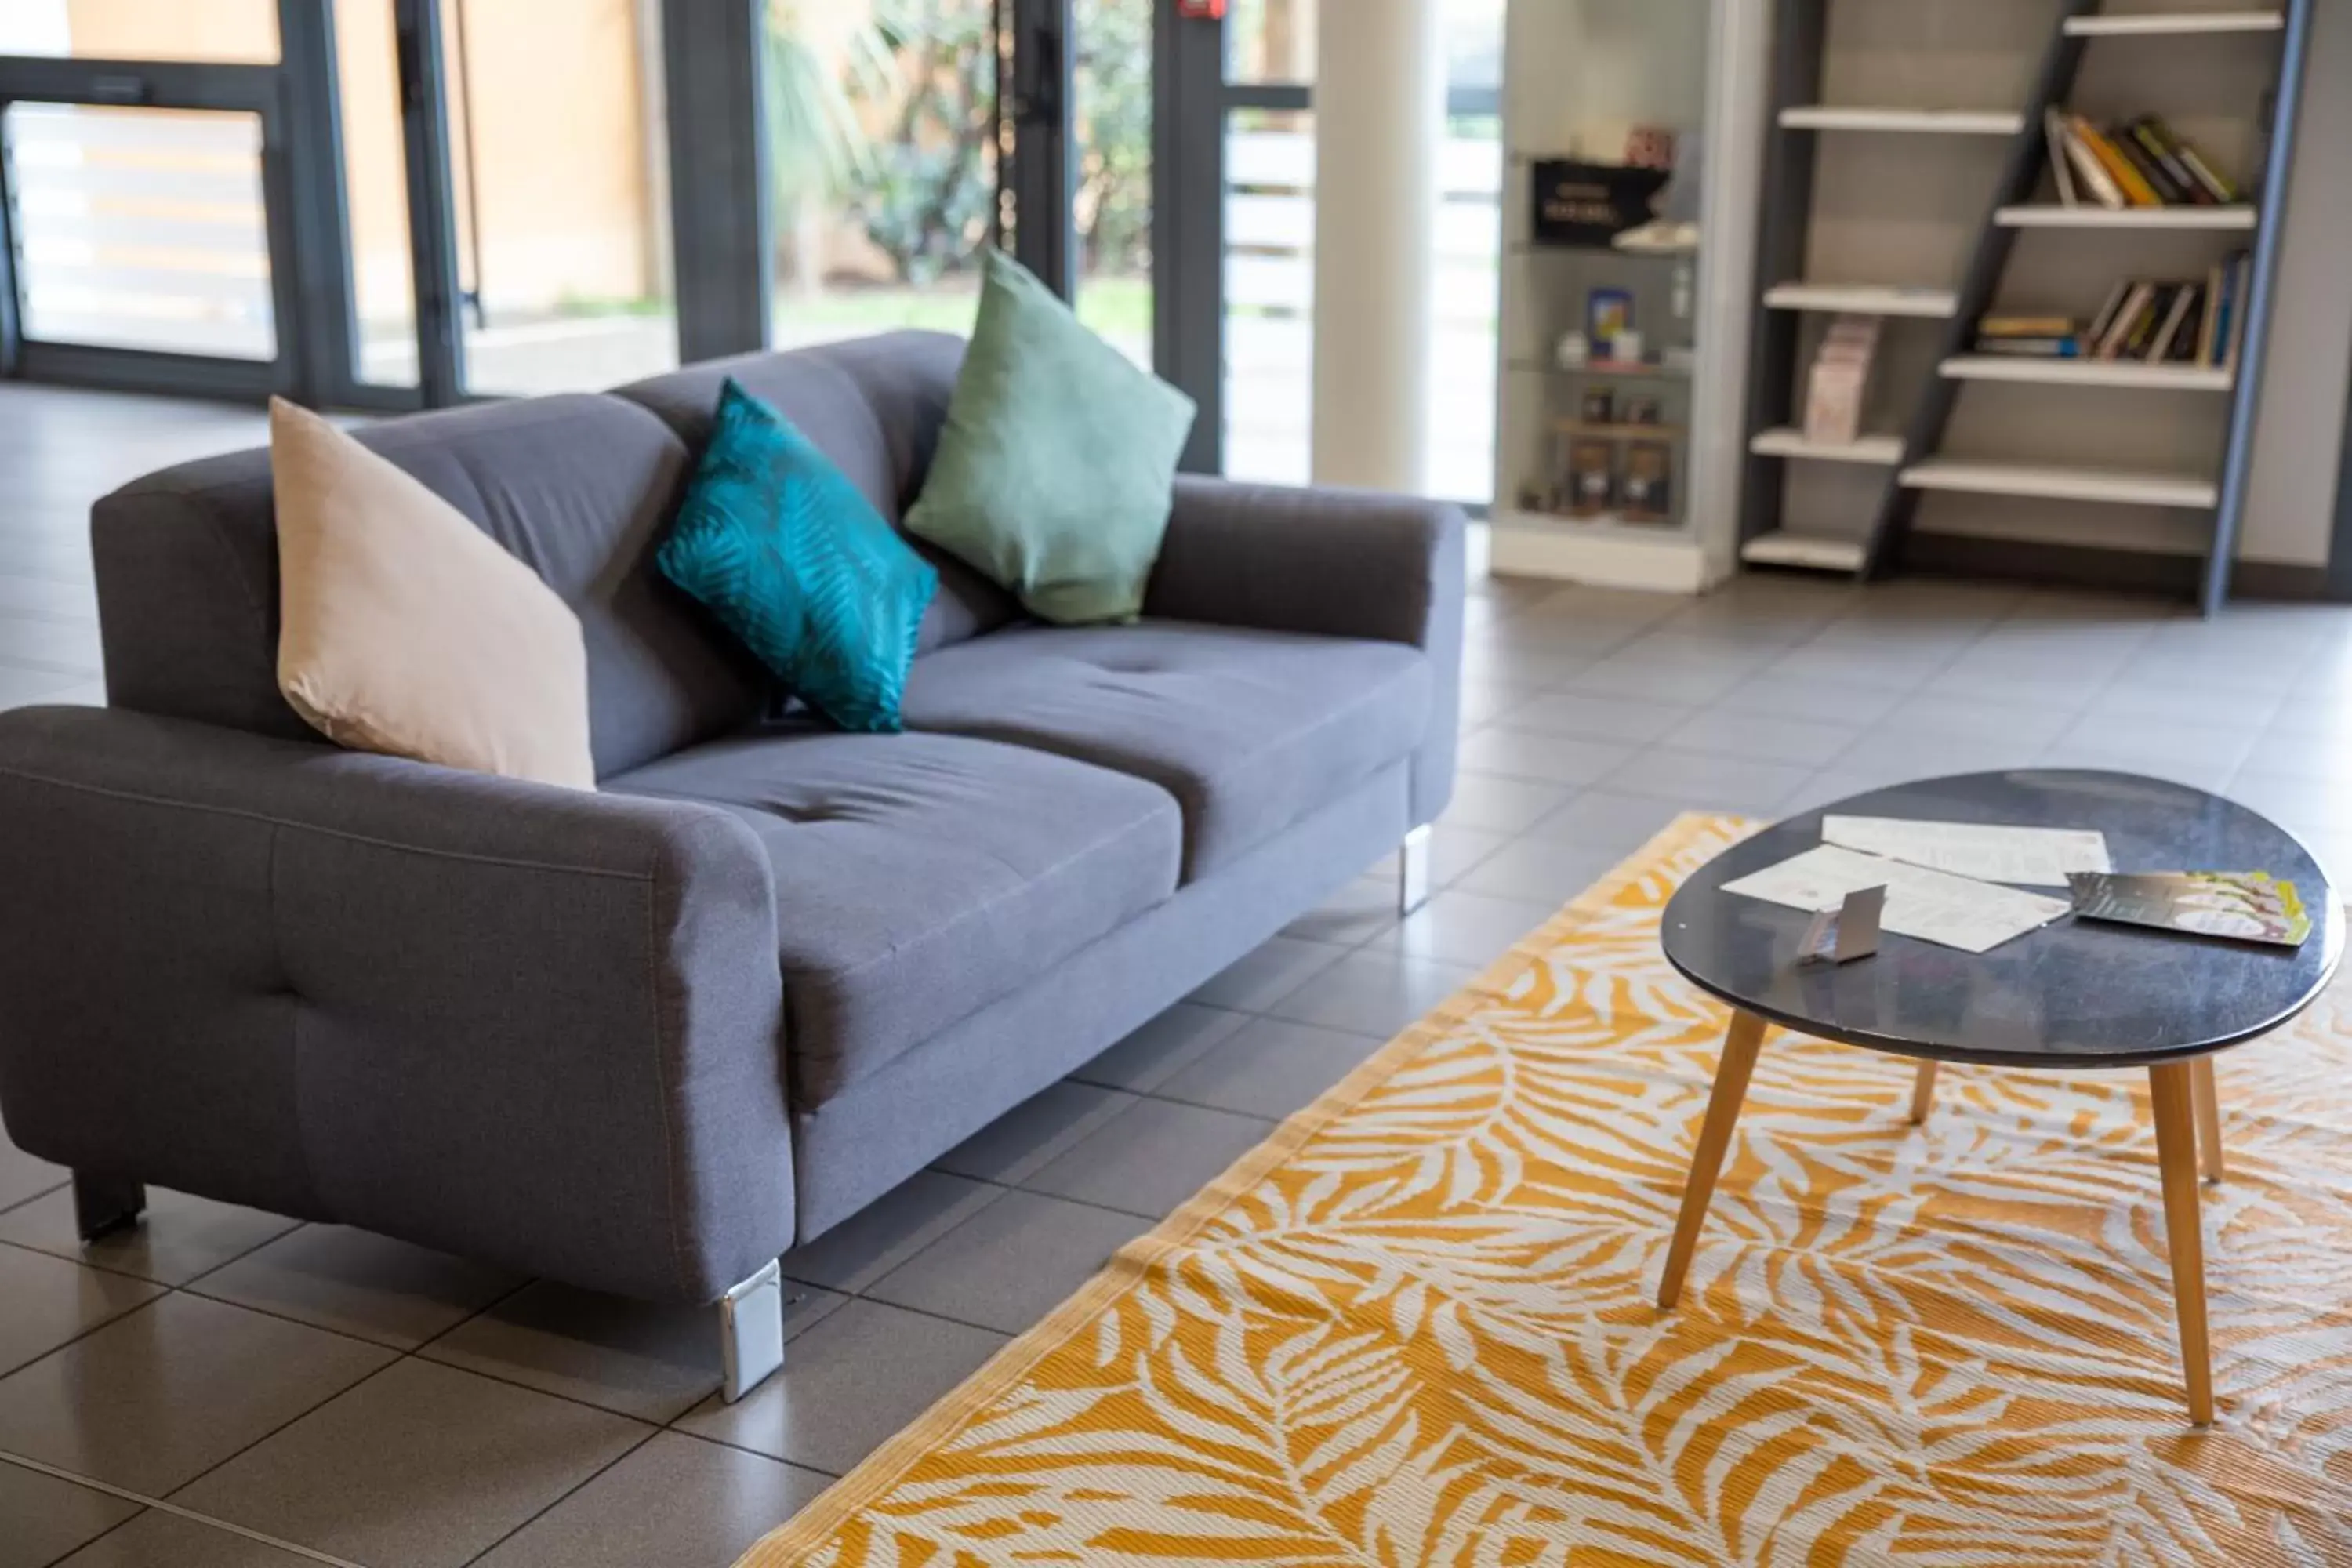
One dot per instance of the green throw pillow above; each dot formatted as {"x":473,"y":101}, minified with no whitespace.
{"x":1053,"y":474}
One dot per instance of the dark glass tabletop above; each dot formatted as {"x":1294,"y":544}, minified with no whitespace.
{"x":2073,"y":994}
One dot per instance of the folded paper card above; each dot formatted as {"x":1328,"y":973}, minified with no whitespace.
{"x":2038,"y":857}
{"x":1933,"y":906}
{"x":1846,"y":933}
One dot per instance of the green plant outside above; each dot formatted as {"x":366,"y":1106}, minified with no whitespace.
{"x":1117,"y":308}
{"x":901,"y":136}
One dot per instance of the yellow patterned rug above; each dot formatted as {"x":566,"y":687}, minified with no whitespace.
{"x":1415,"y":1326}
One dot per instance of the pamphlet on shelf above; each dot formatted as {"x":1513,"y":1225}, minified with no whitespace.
{"x":1952,"y":912}
{"x":2037,"y":857}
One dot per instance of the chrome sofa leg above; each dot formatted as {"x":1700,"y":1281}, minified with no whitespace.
{"x":103,"y":1205}
{"x":1412,"y":871}
{"x":752,"y":1331}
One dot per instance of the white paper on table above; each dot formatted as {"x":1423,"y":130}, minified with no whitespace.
{"x":2038,"y":857}
{"x":1954,"y":912}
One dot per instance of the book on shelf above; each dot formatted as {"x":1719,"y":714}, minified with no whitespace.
{"x":2139,"y":163}
{"x":2231,"y":331}
{"x":2026,"y":327}
{"x":2061,"y":171}
{"x":2156,"y":142}
{"x":2138,"y":298}
{"x":2201,"y":349}
{"x":2186,"y":298}
{"x":2031,"y":348}
{"x":2195,"y":170}
{"x":2121,"y":171}
{"x":2047,"y":337}
{"x":2090,"y":172}
{"x":2106,"y":320}
{"x":2170,"y":192}
{"x":2154,"y":320}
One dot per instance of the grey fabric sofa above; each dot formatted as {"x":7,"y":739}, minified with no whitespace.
{"x":644,"y":1040}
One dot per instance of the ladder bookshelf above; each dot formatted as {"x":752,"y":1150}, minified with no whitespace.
{"x":1853,"y":507}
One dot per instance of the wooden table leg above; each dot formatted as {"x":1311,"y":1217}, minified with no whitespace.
{"x":1923,"y":1091}
{"x":2171,"y":1088}
{"x":1740,"y":1046}
{"x":2208,"y":1118}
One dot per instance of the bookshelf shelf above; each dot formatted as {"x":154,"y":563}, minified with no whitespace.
{"x":1912,"y":122}
{"x":1862,"y":299}
{"x":1819,"y":552}
{"x":2089,"y":372}
{"x":2046,"y":215}
{"x":1609,"y":369}
{"x":1657,"y":429}
{"x":1611,"y":525}
{"x":2060,"y":483}
{"x":2175,"y":23}
{"x":1792,"y":443}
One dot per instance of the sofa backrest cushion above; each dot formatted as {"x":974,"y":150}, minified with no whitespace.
{"x":875,"y":406}
{"x":577,"y":487}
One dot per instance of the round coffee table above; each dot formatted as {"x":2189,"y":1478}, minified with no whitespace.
{"x":2075,"y":995}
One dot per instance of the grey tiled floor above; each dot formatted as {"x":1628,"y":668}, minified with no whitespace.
{"x":336,"y":1396}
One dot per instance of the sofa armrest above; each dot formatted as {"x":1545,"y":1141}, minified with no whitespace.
{"x":1351,"y":564}
{"x":1334,"y":563}
{"x":533,"y":1025}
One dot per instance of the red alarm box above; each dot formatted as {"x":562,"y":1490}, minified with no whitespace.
{"x":1201,"y":10}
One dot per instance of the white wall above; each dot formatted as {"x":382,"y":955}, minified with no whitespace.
{"x":2291,"y":500}
{"x":33,"y":27}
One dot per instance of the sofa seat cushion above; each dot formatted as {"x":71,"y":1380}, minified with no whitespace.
{"x":919,"y":877}
{"x":1250,"y":730}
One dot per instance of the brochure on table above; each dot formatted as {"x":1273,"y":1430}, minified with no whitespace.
{"x":2244,"y":906}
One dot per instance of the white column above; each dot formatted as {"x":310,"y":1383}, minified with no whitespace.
{"x":1379,"y":120}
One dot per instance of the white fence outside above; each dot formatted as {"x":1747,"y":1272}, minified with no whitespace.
{"x":1269,"y":310}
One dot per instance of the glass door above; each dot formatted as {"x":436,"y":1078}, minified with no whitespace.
{"x":559,"y":158}
{"x":1112,"y":216}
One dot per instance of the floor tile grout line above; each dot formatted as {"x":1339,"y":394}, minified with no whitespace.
{"x":6,"y":1209}
{"x":758,"y":1452}
{"x":566,"y":1496}
{"x":162,"y":1290}
{"x":398,"y":1356}
{"x":484,"y":1310}
{"x":307,"y":1411}
{"x":162,"y":1505}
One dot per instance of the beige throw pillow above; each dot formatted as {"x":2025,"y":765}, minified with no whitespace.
{"x":408,"y":631}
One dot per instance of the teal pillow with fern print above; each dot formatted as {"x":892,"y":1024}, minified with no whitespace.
{"x":780,"y":546}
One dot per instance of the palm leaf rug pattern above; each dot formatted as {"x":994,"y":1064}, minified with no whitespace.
{"x":1416,"y":1326}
